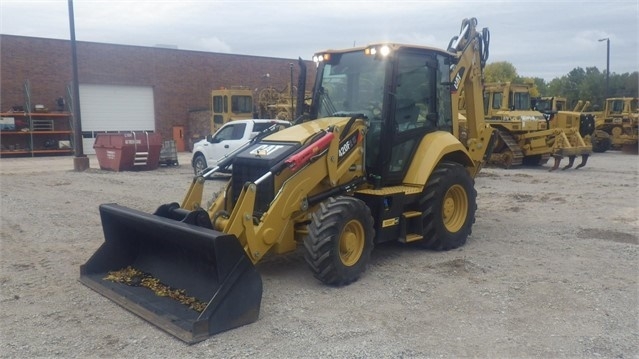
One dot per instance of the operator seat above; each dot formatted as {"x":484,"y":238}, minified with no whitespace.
{"x":406,"y":114}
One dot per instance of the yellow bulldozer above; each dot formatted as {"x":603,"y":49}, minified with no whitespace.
{"x":617,"y":126}
{"x":525,"y":135}
{"x":376,"y":159}
{"x":555,"y":110}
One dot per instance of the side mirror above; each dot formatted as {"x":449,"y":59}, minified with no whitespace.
{"x":209,"y":138}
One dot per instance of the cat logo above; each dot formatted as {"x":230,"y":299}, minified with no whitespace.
{"x":457,"y":80}
{"x":265,"y":150}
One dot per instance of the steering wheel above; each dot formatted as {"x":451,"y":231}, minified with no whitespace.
{"x":375,"y":109}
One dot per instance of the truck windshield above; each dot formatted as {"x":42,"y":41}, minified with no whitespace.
{"x":352,"y":83}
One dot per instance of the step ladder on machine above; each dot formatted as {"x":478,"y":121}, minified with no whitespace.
{"x":141,"y":153}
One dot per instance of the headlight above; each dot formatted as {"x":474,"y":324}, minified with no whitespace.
{"x":383,"y":50}
{"x":321,"y":57}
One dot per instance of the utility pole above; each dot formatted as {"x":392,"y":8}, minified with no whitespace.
{"x":80,"y":160}
{"x":607,"y":40}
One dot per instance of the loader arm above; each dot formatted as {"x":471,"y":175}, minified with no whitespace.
{"x":471,"y":48}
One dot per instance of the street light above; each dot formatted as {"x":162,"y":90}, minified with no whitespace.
{"x":607,"y":40}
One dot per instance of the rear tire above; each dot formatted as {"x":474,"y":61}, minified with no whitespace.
{"x":199,"y":164}
{"x":340,"y":240}
{"x":448,"y":206}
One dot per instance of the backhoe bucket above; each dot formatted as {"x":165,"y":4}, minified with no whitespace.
{"x":188,"y":280}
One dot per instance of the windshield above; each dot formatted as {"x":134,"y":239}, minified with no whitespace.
{"x":241,"y":104}
{"x":617,"y":106}
{"x":352,"y":83}
{"x":521,"y":101}
{"x":544,"y":105}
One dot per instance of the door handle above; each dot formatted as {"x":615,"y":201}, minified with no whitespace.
{"x":226,"y":146}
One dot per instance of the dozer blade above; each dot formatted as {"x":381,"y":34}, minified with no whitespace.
{"x":180,"y":266}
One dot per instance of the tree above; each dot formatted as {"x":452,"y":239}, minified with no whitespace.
{"x":579,"y":84}
{"x":624,"y":85}
{"x":502,"y":71}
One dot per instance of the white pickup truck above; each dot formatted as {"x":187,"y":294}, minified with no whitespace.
{"x":227,"y":139}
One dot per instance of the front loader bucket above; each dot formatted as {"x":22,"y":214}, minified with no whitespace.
{"x":179,"y":266}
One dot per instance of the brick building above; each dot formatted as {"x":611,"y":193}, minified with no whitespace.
{"x":180,"y":81}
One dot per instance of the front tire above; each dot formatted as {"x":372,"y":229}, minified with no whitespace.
{"x":448,"y":206}
{"x":199,"y":164}
{"x":340,"y":240}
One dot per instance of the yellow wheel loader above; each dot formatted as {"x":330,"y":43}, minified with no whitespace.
{"x":377,"y":158}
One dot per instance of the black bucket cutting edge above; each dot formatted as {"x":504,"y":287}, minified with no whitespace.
{"x":206,"y":265}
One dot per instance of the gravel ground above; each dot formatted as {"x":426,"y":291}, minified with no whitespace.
{"x":551,"y":270}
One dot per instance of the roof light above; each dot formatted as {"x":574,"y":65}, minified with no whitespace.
{"x":321,"y":57}
{"x":383,"y":51}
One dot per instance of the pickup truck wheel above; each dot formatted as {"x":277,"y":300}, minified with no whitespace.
{"x":448,"y":206}
{"x":340,"y":240}
{"x":199,"y":164}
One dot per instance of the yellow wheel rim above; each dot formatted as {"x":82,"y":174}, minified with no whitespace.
{"x":455,"y":208}
{"x":351,"y":243}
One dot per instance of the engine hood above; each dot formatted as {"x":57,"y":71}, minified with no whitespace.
{"x":301,"y":132}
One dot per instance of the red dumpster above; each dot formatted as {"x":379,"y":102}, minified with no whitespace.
{"x":127,"y":151}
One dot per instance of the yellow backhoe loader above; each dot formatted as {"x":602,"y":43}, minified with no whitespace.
{"x":376,"y":159}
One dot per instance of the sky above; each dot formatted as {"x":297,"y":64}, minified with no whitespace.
{"x":542,"y":38}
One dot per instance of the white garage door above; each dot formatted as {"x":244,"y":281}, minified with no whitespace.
{"x":106,"y":108}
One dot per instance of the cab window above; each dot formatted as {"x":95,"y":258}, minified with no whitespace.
{"x":241,"y":104}
{"x":230,"y":132}
{"x":497,"y":100}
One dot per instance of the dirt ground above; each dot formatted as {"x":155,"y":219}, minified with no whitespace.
{"x":551,"y":270}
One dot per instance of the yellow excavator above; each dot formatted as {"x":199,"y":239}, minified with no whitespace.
{"x":377,"y":158}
